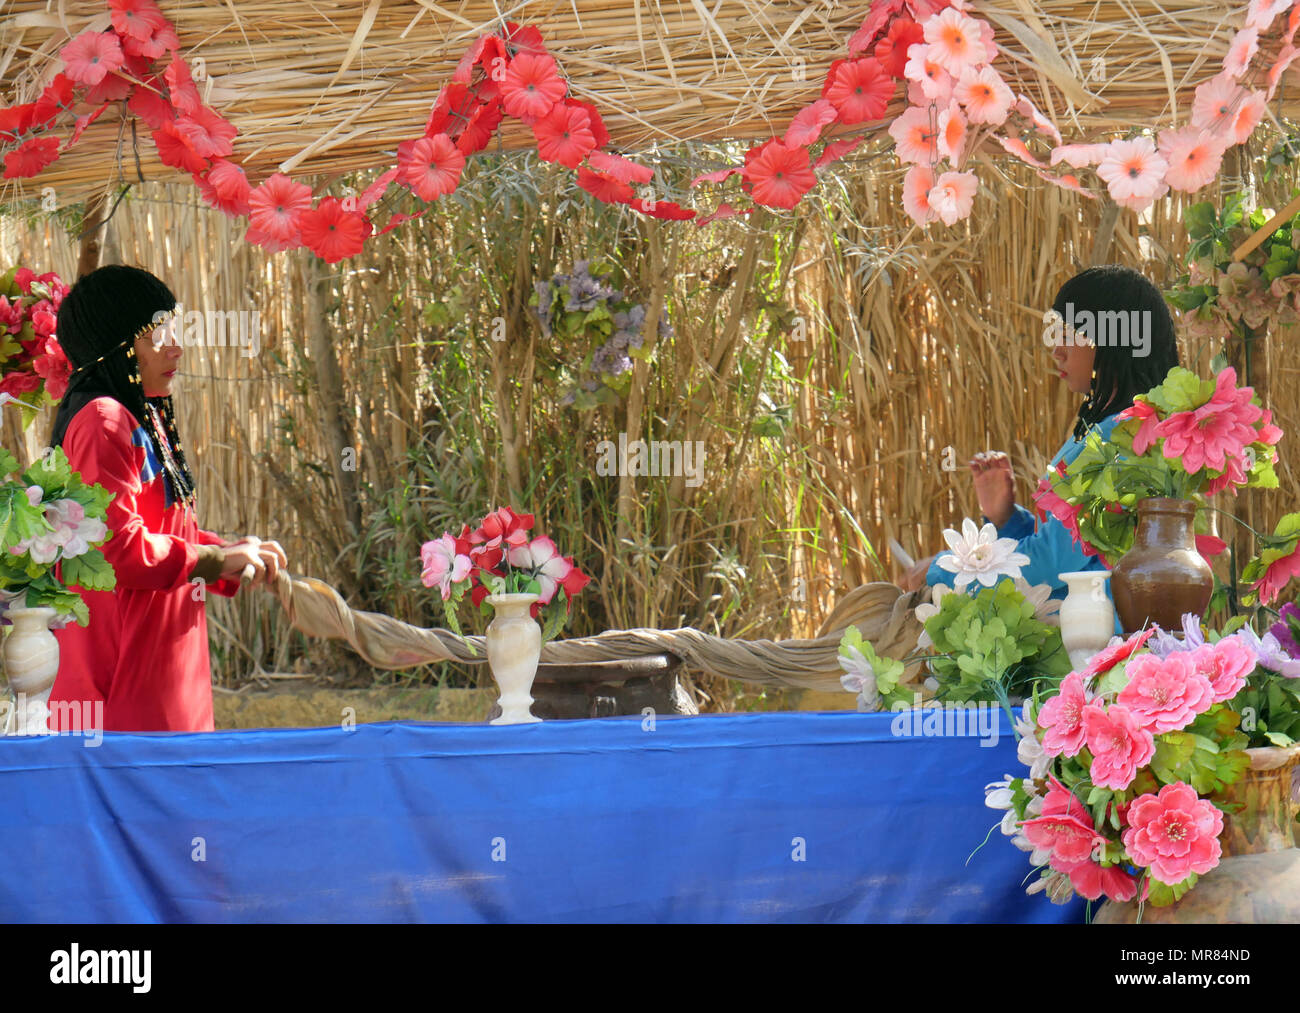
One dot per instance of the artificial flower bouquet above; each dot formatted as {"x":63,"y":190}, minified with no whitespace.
{"x":589,"y":313}
{"x":50,"y":518}
{"x":500,"y":557}
{"x":33,"y":368}
{"x":1128,"y":758}
{"x":1187,"y":438}
{"x":990,"y":637}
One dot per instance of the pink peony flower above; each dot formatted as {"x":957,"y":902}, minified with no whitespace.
{"x":445,"y":563}
{"x":1166,"y":694}
{"x":1219,"y":429}
{"x":1062,"y":716}
{"x":1069,"y":838}
{"x":1226,"y":665}
{"x":1278,"y":574}
{"x":1119,"y":744}
{"x":1174,"y":833}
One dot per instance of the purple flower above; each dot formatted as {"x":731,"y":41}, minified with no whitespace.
{"x":1282,"y":629}
{"x":1269,"y":652}
{"x":1163,"y":644}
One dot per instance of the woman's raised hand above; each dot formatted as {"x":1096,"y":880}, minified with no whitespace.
{"x":995,"y":486}
{"x":261,"y":560}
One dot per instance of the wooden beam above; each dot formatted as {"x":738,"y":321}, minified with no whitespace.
{"x":1269,"y":227}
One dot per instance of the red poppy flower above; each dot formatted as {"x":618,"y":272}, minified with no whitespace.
{"x":531,"y":87}
{"x":485,"y":49}
{"x":82,"y":122}
{"x":20,"y":382}
{"x":90,"y":56}
{"x":56,"y":97}
{"x":597,"y":124}
{"x":148,"y":103}
{"x":208,"y":132}
{"x":256,"y":237}
{"x":879,"y":15}
{"x":225,"y":187}
{"x":859,"y":89}
{"x":53,"y":366}
{"x":525,"y":39}
{"x":137,"y":19}
{"x":15,"y":120}
{"x":480,"y":129}
{"x":176,"y":151}
{"x":564,"y":135}
{"x":431,"y":166}
{"x":31,"y":157}
{"x":807,"y":125}
{"x":332,"y":233}
{"x":622,"y":169}
{"x":451,"y":110}
{"x":604,"y":187}
{"x":163,"y":40}
{"x":662,"y":209}
{"x":891,"y":50}
{"x":778,"y":175}
{"x":835,"y":150}
{"x":274,"y":206}
{"x":180,"y":84}
{"x":113,"y":87}
{"x":375,"y":190}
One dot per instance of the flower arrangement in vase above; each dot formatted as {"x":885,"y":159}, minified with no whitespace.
{"x":989,"y":638}
{"x":1139,"y":759}
{"x":1183,"y":440}
{"x":522,"y":577}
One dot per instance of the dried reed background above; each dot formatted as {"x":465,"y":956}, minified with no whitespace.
{"x":818,"y":450}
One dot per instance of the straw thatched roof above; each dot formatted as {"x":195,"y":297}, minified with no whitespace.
{"x":330,"y":88}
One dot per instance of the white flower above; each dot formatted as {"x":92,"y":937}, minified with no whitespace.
{"x":979,"y":554}
{"x":859,"y":677}
{"x":926,"y":611}
{"x":1057,"y":885}
{"x":998,"y":794}
{"x":1029,"y":750}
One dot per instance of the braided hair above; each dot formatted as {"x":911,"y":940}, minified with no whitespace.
{"x":99,"y":321}
{"x":1119,"y":373}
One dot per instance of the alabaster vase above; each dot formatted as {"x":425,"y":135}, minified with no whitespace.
{"x":1087,"y":615}
{"x":514,"y":646}
{"x":1162,"y":576}
{"x":1258,"y":877}
{"x":31,"y":661}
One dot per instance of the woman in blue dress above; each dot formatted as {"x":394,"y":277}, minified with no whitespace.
{"x":1111,"y":336}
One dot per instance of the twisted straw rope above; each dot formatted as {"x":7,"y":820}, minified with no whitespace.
{"x":881,"y":612}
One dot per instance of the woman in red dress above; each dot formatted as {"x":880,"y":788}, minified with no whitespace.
{"x":144,"y":654}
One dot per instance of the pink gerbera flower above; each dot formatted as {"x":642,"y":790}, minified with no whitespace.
{"x":622,"y":169}
{"x":1133,"y":170}
{"x":952,"y":133}
{"x":274,"y":207}
{"x":1219,"y":429}
{"x":953,"y":195}
{"x":1041,"y":123}
{"x":916,"y":136}
{"x":31,"y":157}
{"x":1247,"y":117}
{"x":916,"y":194}
{"x":1217,"y":101}
{"x":91,"y":56}
{"x":333,"y":233}
{"x":956,"y":41}
{"x":891,"y":50}
{"x":777,"y":174}
{"x":1015,"y":146}
{"x":985,"y":95}
{"x":859,"y":90}
{"x":1078,"y":155}
{"x":1119,"y":743}
{"x":225,"y":187}
{"x":1242,"y":49}
{"x":532,"y":86}
{"x":431,"y":166}
{"x":1174,"y":833}
{"x":137,"y":19}
{"x":1194,"y":156}
{"x":604,"y":187}
{"x":935,"y":82}
{"x":1148,"y":418}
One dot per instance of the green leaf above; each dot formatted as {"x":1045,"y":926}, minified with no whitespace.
{"x":1162,"y":894}
{"x":90,"y":571}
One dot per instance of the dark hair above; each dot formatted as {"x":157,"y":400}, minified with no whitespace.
{"x":98,"y":322}
{"x":1119,"y":374}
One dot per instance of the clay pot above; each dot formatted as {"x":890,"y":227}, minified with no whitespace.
{"x":1162,"y":576}
{"x":1258,"y":877}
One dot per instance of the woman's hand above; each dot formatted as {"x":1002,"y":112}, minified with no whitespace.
{"x":995,"y":486}
{"x":266,"y":559}
{"x":914,"y":579}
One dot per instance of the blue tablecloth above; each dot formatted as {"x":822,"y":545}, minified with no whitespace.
{"x":731,"y":818}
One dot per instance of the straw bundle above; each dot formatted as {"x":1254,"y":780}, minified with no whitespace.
{"x":317,"y":91}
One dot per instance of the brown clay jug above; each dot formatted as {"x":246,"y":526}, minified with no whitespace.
{"x":1162,"y":576}
{"x":1258,"y":878}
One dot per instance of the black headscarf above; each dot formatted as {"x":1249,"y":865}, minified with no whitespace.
{"x":98,"y":322}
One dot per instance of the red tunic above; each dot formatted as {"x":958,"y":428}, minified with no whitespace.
{"x":144,"y":653}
